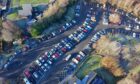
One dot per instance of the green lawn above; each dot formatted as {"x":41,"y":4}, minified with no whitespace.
{"x":13,"y":16}
{"x":20,"y":2}
{"x":92,"y":63}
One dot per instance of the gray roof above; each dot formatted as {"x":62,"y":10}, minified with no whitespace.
{"x":27,"y":10}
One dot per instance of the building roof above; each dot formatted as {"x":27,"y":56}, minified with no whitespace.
{"x":26,"y":10}
{"x":27,"y":7}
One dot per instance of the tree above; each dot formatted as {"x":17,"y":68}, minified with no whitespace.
{"x":126,"y":52}
{"x":114,"y":18}
{"x":9,"y":25}
{"x":7,"y":35}
{"x":132,"y":78}
{"x":112,"y":65}
{"x":63,"y":3}
{"x":104,"y":46}
{"x":51,"y":10}
{"x":136,"y":9}
{"x":137,"y":48}
{"x":9,"y":31}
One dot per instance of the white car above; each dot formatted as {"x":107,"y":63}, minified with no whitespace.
{"x":128,"y":27}
{"x":78,"y":7}
{"x":5,"y":66}
{"x":134,"y":35}
{"x":73,"y":21}
{"x":137,"y":27}
{"x":43,"y":68}
{"x":35,"y":75}
{"x":26,"y":81}
{"x":73,"y":64}
{"x":37,"y":61}
{"x":75,"y":61}
{"x":81,"y":53}
{"x":77,"y":14}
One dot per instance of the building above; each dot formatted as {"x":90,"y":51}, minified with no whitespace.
{"x":26,"y":10}
{"x":91,"y":78}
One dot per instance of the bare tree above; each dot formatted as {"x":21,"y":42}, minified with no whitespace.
{"x":7,"y":35}
{"x":9,"y":31}
{"x":54,"y":8}
{"x":132,"y":78}
{"x":63,"y":3}
{"x":112,"y":64}
{"x":104,"y":46}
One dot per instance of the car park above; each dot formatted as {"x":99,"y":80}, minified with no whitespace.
{"x":49,"y":58}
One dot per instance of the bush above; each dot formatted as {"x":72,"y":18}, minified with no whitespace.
{"x":37,"y":28}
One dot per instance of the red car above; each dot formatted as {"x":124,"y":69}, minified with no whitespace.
{"x":64,"y":49}
{"x":27,"y":73}
{"x":55,"y":56}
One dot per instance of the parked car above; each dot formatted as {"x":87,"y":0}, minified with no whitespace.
{"x":75,"y":61}
{"x":73,"y":64}
{"x":38,"y":62}
{"x":134,"y":35}
{"x":67,"y":57}
{"x":26,"y":80}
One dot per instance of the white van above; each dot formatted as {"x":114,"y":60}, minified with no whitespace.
{"x":67,"y":58}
